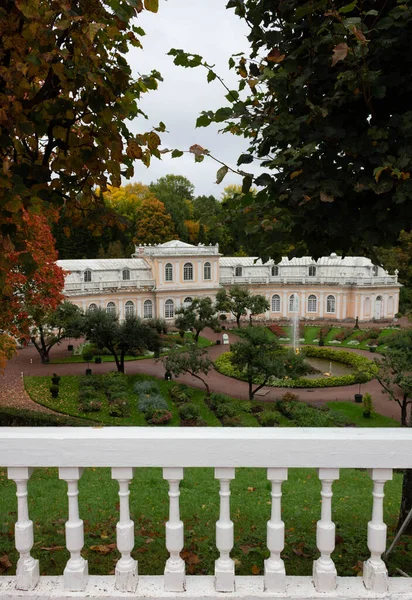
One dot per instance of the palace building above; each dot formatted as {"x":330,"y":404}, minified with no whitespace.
{"x":160,"y":278}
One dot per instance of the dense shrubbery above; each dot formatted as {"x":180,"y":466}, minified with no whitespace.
{"x":268,"y":418}
{"x":151,"y":402}
{"x":16,"y":417}
{"x":179,"y":394}
{"x":116,"y":390}
{"x":356,"y":361}
{"x":277,"y":330}
{"x":89,"y":394}
{"x":304,"y":415}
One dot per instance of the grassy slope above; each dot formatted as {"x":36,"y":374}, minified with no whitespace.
{"x":355,"y":413}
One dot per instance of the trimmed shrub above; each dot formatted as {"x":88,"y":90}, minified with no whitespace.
{"x":54,"y":390}
{"x":189,"y":412}
{"x":55,"y":379}
{"x":146,"y":387}
{"x":226,"y":410}
{"x":153,"y":401}
{"x":268,"y":418}
{"x":13,"y":417}
{"x":179,"y":394}
{"x":231,"y":421}
{"x":119,"y":409}
{"x":160,"y":416}
{"x":87,"y":405}
{"x":90,"y":382}
{"x":216,"y":400}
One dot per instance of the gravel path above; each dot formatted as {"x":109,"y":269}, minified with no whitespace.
{"x":27,"y":362}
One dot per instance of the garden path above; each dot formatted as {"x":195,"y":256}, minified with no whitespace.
{"x":27,"y":361}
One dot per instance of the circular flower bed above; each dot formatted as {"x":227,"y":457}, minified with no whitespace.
{"x":364,"y":369}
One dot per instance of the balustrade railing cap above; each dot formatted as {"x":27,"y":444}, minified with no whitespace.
{"x":206,"y":447}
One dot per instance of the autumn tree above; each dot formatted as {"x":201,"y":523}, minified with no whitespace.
{"x":399,"y":257}
{"x":198,"y":315}
{"x":66,"y":96}
{"x":259,"y":358}
{"x":176,"y":193}
{"x":50,"y":327}
{"x":153,"y":224}
{"x":195,"y":362}
{"x":323,"y":101}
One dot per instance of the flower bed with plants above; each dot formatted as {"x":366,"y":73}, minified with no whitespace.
{"x":359,"y":363}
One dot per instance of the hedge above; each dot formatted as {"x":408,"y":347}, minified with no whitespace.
{"x":358,"y":362}
{"x":16,"y":417}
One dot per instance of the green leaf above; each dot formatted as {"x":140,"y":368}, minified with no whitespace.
{"x":247,"y":184}
{"x":245,"y":159}
{"x":232,"y":96}
{"x":203,"y":121}
{"x":211,"y":75}
{"x":348,"y":8}
{"x":221,"y":174}
{"x":222,"y":114}
{"x":177,"y":153}
{"x":151,"y":5}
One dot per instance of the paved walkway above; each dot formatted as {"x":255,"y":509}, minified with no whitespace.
{"x":27,"y":362}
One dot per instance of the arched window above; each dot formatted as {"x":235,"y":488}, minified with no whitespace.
{"x":87,"y":276}
{"x":367,"y":306}
{"x":207,"y":271}
{"x":390,"y":305}
{"x":187,"y":301}
{"x":129,"y":309}
{"x":169,"y":309}
{"x":92,"y":307}
{"x":238,"y":272}
{"x":276,"y":303}
{"x":188,"y":272}
{"x":375,"y":271}
{"x":148,"y":309}
{"x":293,"y":303}
{"x":312,"y":271}
{"x":378,"y":308}
{"x":330,"y":304}
{"x":275,"y":271}
{"x":126,"y":274}
{"x":312,"y":303}
{"x":111,"y":308}
{"x":169,"y":272}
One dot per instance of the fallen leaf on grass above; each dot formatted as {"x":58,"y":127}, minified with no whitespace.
{"x":52,"y":548}
{"x":255,"y":570}
{"x":245,"y":548}
{"x":4,"y":563}
{"x":251,"y":489}
{"x":103,"y":548}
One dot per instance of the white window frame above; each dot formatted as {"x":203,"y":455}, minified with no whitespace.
{"x":188,"y":271}
{"x":187,"y":301}
{"x":168,"y":272}
{"x":312,"y":271}
{"x":275,"y":303}
{"x":126,"y":274}
{"x":129,"y":309}
{"x":92,"y":307}
{"x":238,"y":272}
{"x":87,"y":276}
{"x":111,"y":308}
{"x":275,"y":271}
{"x":292,"y":299}
{"x":312,"y":304}
{"x":207,"y":271}
{"x":169,"y":309}
{"x":148,"y":309}
{"x":331,"y":304}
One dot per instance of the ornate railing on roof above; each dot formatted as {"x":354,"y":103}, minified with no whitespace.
{"x":306,"y":280}
{"x":86,"y":287}
{"x":126,"y":449}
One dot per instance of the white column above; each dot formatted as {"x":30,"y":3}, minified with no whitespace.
{"x":84,"y":307}
{"x":76,"y":572}
{"x":275,"y":574}
{"x":324,"y":570}
{"x":344,"y":311}
{"x":176,"y":271}
{"x":126,"y":567}
{"x":139,"y":309}
{"x":224,"y":565}
{"x":161,"y":314}
{"x":375,"y":574}
{"x":385,"y":306}
{"x":322,"y":304}
{"x":285,"y":304}
{"x":174,"y":577}
{"x":121,"y":308}
{"x":161,"y":272}
{"x":27,"y":573}
{"x":302,"y":304}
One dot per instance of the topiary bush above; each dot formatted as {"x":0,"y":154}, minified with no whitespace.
{"x":119,"y":408}
{"x":146,"y":387}
{"x":234,"y":421}
{"x":179,"y":394}
{"x":54,"y":390}
{"x":160,"y":416}
{"x":268,"y":418}
{"x":189,"y":412}
{"x":90,"y":405}
{"x":152,"y":401}
{"x":225,"y":410}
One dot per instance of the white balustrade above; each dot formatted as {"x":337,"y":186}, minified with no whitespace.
{"x":275,"y":574}
{"x":324,"y":570}
{"x":126,"y":449}
{"x":224,"y":566}
{"x":76,"y":572}
{"x":175,"y":567}
{"x":126,"y":567}
{"x":27,"y":573}
{"x":375,"y":573}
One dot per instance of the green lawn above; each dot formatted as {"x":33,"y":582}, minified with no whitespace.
{"x":202,"y":342}
{"x":354,"y":412}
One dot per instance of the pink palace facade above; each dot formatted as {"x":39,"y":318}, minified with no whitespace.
{"x":160,"y":278}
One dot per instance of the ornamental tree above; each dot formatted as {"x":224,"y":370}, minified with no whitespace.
{"x":235,"y":300}
{"x":51,"y":327}
{"x":176,"y":193}
{"x":195,"y":362}
{"x":133,"y":334}
{"x":258,"y":304}
{"x":199,"y":314}
{"x":260,"y":358}
{"x":323,"y":101}
{"x":66,"y":96}
{"x":153,"y":224}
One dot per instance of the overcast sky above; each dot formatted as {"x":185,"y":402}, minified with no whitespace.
{"x":204,"y":27}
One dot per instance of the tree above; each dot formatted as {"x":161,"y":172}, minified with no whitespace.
{"x":258,"y":304}
{"x":328,"y":118}
{"x":7,"y":350}
{"x":199,"y":314}
{"x":260,"y":357}
{"x":126,"y":199}
{"x":176,"y":193}
{"x":51,"y":327}
{"x":66,"y":95}
{"x":235,"y":300}
{"x":195,"y":362}
{"x":133,"y":334}
{"x":32,"y":280}
{"x":394,"y":375}
{"x":153,"y":224}
{"x":399,"y":258}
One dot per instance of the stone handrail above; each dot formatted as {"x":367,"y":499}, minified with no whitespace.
{"x":302,"y":279}
{"x":96,"y":286}
{"x":126,"y":449}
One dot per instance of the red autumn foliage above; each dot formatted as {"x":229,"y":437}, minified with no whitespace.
{"x":277,"y":330}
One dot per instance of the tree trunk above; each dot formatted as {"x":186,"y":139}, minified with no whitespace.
{"x":203,"y":381}
{"x":404,"y":413}
{"x":197,"y":335}
{"x":238,"y":321}
{"x":251,"y":393}
{"x":250,"y":320}
{"x":42,"y":350}
{"x":406,"y":501}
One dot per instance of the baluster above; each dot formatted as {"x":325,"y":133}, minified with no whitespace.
{"x":126,"y":567}
{"x":174,"y":577}
{"x":224,"y":565}
{"x":324,"y":570}
{"x":76,"y":572}
{"x":375,"y":573}
{"x":27,"y":573}
{"x":275,"y":574}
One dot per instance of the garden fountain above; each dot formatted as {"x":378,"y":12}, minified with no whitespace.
{"x":295,"y":324}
